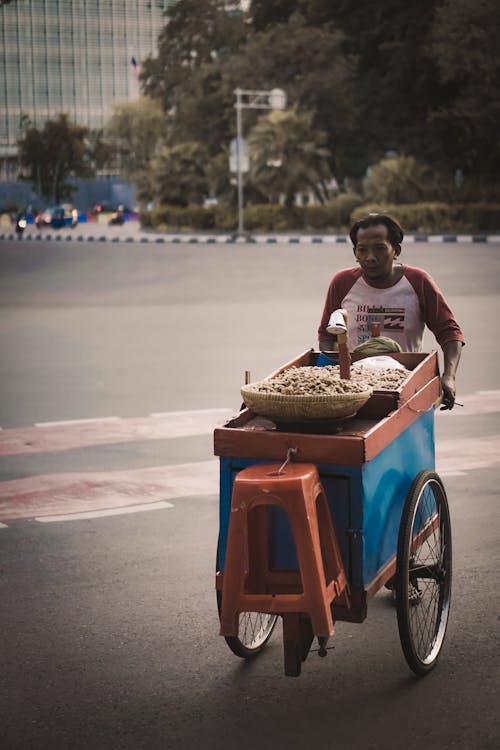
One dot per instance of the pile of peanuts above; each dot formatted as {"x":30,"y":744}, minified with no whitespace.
{"x":383,"y":379}
{"x":316,"y":381}
{"x":312,"y":381}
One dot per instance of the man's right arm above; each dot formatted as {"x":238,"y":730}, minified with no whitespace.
{"x":339,"y":287}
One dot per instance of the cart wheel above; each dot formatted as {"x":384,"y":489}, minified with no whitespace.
{"x":255,"y":629}
{"x":423,"y":572}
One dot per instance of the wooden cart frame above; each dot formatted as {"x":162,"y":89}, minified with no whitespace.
{"x":373,"y":471}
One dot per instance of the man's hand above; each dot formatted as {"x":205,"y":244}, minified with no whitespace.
{"x":448,"y":387}
{"x":451,"y":351}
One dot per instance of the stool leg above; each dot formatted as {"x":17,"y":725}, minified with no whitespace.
{"x":306,"y":532}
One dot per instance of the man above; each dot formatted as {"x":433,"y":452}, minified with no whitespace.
{"x":400,"y":298}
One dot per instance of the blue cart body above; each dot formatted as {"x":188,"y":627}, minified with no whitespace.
{"x":365,"y":502}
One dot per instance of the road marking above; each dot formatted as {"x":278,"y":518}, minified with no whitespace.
{"x":3,"y":526}
{"x":59,"y":436}
{"x":190,"y":412}
{"x":76,"y":492}
{"x":89,"y":420}
{"x":465,"y":454}
{"x":102,"y":513}
{"x":67,"y":494}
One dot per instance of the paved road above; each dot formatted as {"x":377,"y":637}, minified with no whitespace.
{"x":117,"y":361}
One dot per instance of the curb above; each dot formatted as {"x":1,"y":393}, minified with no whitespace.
{"x":257,"y":239}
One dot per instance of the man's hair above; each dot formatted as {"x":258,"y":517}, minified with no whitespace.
{"x":394,"y":229}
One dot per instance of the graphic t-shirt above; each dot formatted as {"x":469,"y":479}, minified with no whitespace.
{"x":402,"y":310}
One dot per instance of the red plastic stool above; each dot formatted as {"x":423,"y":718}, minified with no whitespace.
{"x":248,"y":583}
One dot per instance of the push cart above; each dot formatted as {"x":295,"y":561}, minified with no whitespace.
{"x":378,"y":516}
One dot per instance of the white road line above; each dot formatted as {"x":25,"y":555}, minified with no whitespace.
{"x":65,"y":422}
{"x":101,"y":513}
{"x":465,"y":454}
{"x":3,"y":526}
{"x":218,"y":410}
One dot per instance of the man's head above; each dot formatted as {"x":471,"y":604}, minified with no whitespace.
{"x":394,"y":230}
{"x":376,"y":243}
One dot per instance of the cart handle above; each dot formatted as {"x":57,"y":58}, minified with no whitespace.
{"x":290,"y":452}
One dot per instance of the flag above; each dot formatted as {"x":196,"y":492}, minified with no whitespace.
{"x":134,"y":65}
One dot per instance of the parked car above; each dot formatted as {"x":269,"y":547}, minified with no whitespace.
{"x":57,"y":217}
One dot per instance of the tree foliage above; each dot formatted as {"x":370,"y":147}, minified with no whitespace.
{"x":464,"y":44}
{"x":53,"y":154}
{"x":178,"y":174}
{"x":133,"y":133}
{"x":288,"y":156}
{"x":401,"y":180}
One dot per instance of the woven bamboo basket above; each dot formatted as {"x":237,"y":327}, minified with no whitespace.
{"x":290,"y":408}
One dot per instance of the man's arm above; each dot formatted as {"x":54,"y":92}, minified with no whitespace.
{"x":451,"y":352}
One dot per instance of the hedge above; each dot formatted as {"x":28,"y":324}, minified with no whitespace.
{"x":336,"y":216}
{"x":439,"y":217}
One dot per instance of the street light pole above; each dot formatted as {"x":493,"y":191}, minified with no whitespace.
{"x":239,"y":170}
{"x":273,"y":99}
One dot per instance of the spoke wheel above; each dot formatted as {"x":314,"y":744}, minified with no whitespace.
{"x":423,"y":572}
{"x":255,"y":629}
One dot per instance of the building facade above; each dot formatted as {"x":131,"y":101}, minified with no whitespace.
{"x":77,"y":57}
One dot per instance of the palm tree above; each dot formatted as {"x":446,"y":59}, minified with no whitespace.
{"x":287,"y":156}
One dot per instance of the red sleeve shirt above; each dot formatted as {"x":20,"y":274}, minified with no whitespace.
{"x":402,"y":310}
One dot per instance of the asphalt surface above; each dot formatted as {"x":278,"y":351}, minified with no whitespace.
{"x":109,"y":625}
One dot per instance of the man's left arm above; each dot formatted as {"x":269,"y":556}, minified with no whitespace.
{"x":441,"y":321}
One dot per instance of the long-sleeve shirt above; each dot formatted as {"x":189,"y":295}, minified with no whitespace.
{"x":402,"y":310}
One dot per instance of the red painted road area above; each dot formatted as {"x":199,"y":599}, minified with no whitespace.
{"x":55,"y":494}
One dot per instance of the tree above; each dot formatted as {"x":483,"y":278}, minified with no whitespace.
{"x":401,"y":180}
{"x":417,"y":79}
{"x":264,"y":14}
{"x":203,"y":59}
{"x":133,"y":134}
{"x":287,"y":156}
{"x":53,"y":154}
{"x":464,"y":45}
{"x":178,"y":174}
{"x":308,"y":63}
{"x":196,"y":34}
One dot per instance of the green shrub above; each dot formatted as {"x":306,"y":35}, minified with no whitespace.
{"x":226,"y":218}
{"x":401,"y":179}
{"x":341,"y":208}
{"x":337,"y":215}
{"x":179,"y":218}
{"x":268,"y":216}
{"x":146,"y":219}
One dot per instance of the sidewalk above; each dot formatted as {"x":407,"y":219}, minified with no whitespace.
{"x":131,"y":231}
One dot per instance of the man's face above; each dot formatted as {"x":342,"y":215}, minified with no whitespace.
{"x":375,"y":254}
